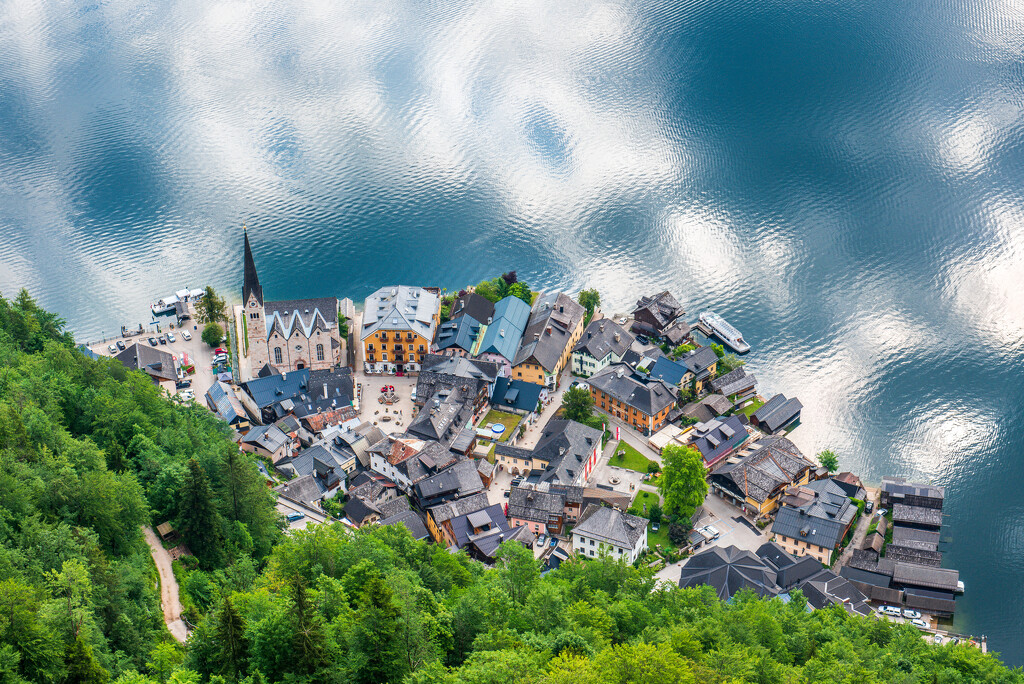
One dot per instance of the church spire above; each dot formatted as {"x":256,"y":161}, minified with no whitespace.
{"x":250,"y":281}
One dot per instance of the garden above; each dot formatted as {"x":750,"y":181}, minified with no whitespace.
{"x":629,"y":458}
{"x":509,"y":420}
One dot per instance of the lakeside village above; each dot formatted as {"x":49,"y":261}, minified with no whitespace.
{"x":497,"y":414}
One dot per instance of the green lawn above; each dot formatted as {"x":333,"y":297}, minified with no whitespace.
{"x":660,"y":537}
{"x":509,"y":420}
{"x":645,"y":497}
{"x":749,"y":409}
{"x":655,"y":480}
{"x":631,"y":460}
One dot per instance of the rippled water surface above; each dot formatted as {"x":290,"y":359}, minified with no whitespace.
{"x":843,"y":180}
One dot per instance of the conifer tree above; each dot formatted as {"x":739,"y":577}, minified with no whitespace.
{"x":198,"y":520}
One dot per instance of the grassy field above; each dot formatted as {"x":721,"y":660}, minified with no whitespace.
{"x":645,"y":497}
{"x":660,"y":537}
{"x":631,"y":460}
{"x":509,"y":420}
{"x":751,"y":407}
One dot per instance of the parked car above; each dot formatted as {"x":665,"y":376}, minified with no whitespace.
{"x":869,"y":506}
{"x":622,"y":321}
{"x":881,"y":512}
{"x":220,"y":350}
{"x":412,"y":395}
{"x":170,"y":337}
{"x":892,"y":611}
{"x":574,"y":383}
{"x":153,"y":342}
{"x":112,"y":349}
{"x":642,"y":339}
{"x":183,"y":384}
{"x":295,"y":517}
{"x":655,"y":527}
{"x":919,"y":623}
{"x":711,"y":532}
{"x":913,"y":614}
{"x":542,"y":539}
{"x":121,"y":345}
{"x":516,"y":481}
{"x":163,"y":340}
{"x":186,"y":335}
{"x":553,"y":542}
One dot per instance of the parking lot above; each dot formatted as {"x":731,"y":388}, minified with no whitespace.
{"x":199,"y":354}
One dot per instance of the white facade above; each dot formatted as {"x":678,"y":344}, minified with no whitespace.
{"x":379,"y":464}
{"x":585,"y":365}
{"x":591,"y":547}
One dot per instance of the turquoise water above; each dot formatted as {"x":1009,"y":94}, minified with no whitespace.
{"x":842,"y":181}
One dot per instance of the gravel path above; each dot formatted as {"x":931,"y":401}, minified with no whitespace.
{"x":168,"y":586}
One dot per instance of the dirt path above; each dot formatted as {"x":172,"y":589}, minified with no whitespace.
{"x":168,"y":586}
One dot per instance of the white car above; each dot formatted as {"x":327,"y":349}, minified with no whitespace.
{"x":187,"y":395}
{"x":907,"y":613}
{"x":112,"y":349}
{"x":711,"y":532}
{"x":170,"y":337}
{"x":919,"y":623}
{"x":413,"y":394}
{"x":186,"y":335}
{"x":891,"y":611}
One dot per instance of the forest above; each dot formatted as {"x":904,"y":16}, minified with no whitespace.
{"x":90,"y":453}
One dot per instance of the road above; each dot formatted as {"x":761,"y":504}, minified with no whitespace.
{"x":168,"y":586}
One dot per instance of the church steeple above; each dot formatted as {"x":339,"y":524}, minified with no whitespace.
{"x":250,"y":280}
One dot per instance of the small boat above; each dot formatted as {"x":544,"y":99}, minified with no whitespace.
{"x":728,"y":334}
{"x":168,"y":305}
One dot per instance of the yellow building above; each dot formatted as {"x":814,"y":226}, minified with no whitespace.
{"x":554,"y":328}
{"x":757,"y":480}
{"x":398,"y":325}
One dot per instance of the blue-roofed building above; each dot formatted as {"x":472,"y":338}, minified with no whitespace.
{"x":500,"y":338}
{"x":668,"y":371}
{"x":223,"y":401}
{"x":517,"y":395}
{"x":717,"y":439}
{"x":457,"y":337}
{"x":263,"y":393}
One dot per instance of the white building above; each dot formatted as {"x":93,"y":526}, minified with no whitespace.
{"x":603,"y":343}
{"x":602,"y":529}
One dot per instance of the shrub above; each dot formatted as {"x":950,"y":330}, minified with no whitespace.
{"x":213,"y":334}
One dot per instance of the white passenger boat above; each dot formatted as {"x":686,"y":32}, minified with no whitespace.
{"x":166,"y":306}
{"x":730,"y":335}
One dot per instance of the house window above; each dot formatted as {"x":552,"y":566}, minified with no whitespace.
{"x":319,"y":352}
{"x":277,"y":355}
{"x":369,"y":347}
{"x":398,"y":347}
{"x":384,"y":356}
{"x":591,"y":542}
{"x":421,"y":347}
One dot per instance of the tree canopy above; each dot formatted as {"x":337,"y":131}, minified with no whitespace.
{"x":828,"y":460}
{"x":213,"y":334}
{"x":589,"y":300}
{"x":211,"y":308}
{"x":683,"y":482}
{"x":578,"y":405}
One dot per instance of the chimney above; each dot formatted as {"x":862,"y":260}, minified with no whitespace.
{"x":602,"y":326}
{"x":548,"y":331}
{"x":284,"y":376}
{"x":617,"y":337}
{"x":536,"y":336}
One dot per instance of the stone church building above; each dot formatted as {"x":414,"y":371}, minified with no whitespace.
{"x":288,"y":335}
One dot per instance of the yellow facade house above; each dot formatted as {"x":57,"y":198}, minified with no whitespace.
{"x":399,"y":323}
{"x":554,"y":328}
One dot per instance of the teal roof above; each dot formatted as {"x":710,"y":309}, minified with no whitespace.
{"x":461,"y":333}
{"x":503,"y":334}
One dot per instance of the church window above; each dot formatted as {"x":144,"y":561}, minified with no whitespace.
{"x":277,"y":355}
{"x":319,"y":352}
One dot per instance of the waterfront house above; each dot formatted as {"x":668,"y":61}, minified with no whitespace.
{"x":603,"y":343}
{"x":738,"y":384}
{"x":288,"y":335}
{"x":814,"y":519}
{"x":399,"y":323}
{"x":896,"y":490}
{"x":668,"y":371}
{"x":654,"y":316}
{"x":776,"y":414}
{"x":474,"y":305}
{"x":499,"y":338}
{"x":156,"y":363}
{"x":457,"y":337}
{"x":606,"y":530}
{"x":632,"y":397}
{"x":716,"y":439}
{"x":757,"y":480}
{"x":566,"y":453}
{"x":554,"y":328}
{"x":701,"y":364}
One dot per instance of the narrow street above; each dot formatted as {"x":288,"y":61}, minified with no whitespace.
{"x":169,"y":601}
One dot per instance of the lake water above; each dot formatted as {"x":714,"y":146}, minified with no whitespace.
{"x":841,"y":180}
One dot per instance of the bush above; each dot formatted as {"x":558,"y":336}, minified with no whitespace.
{"x":677,"y":532}
{"x":213,"y":334}
{"x":653,"y":467}
{"x":656,"y":513}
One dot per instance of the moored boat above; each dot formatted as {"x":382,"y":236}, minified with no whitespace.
{"x":728,"y":334}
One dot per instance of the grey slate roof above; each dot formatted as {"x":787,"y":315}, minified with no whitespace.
{"x":776,"y":463}
{"x":611,"y":526}
{"x":785,"y":413}
{"x":272,"y":389}
{"x":560,"y":315}
{"x":822,"y":520}
{"x":621,"y":382}
{"x":923,"y":576}
{"x":734,"y":381}
{"x":530,"y":504}
{"x":902,"y":491}
{"x":826,"y":588}
{"x":599,"y":339}
{"x":462,"y":479}
{"x":400,"y":308}
{"x":474,"y":305}
{"x":908,"y":554}
{"x":150,"y":360}
{"x":504,"y":333}
{"x":728,"y":569}
{"x":790,"y":569}
{"x":269,"y":437}
{"x":412,"y":521}
{"x":699,"y":360}
{"x":443,"y":417}
{"x":488,"y":520}
{"x":926,"y":540}
{"x":303,"y":315}
{"x":394,"y":506}
{"x":451,"y":509}
{"x":565,"y":445}
{"x":223,"y":400}
{"x":663,"y":308}
{"x":517,"y":394}
{"x":916,"y":515}
{"x":716,"y":439}
{"x":302,"y":489}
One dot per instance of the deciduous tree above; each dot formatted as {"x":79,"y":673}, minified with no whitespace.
{"x":578,"y":405}
{"x":683,"y":483}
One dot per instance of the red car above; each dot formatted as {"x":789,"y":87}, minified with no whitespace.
{"x":219,"y":350}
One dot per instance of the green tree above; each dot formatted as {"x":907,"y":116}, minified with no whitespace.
{"x":578,"y":405}
{"x":211,"y":308}
{"x":374,"y":644}
{"x":310,"y":650}
{"x":246,"y":500}
{"x":229,"y":636}
{"x":198,"y":520}
{"x":718,"y":349}
{"x":163,"y":660}
{"x":683,"y":483}
{"x":213,"y":334}
{"x":522,"y":291}
{"x":728,"y":363}
{"x":589,"y":300}
{"x":488,"y":290}
{"x":342,"y":326}
{"x":828,"y":460}
{"x":517,"y":570}
{"x":656,"y":513}
{"x":82,"y":666}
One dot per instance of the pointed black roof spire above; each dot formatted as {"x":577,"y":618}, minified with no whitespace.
{"x":250,"y":280}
